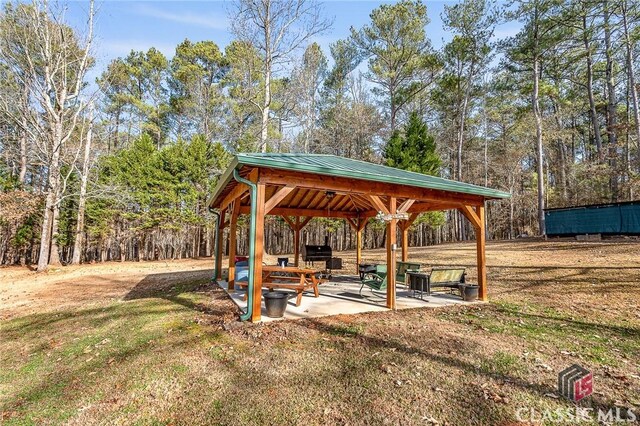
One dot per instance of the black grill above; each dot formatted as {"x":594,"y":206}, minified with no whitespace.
{"x":317,"y":253}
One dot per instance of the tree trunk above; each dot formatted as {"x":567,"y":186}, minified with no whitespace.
{"x":612,"y":120}
{"x":592,"y":103}
{"x":54,"y":256}
{"x":264,"y":131}
{"x":23,"y":158}
{"x":539,"y":148}
{"x":82,"y":200}
{"x":50,"y":202}
{"x":632,"y":79}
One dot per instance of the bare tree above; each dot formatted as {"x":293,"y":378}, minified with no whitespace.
{"x":630,"y":13}
{"x":82,"y":197}
{"x":306,"y":83}
{"x":276,"y":28}
{"x":48,"y":58}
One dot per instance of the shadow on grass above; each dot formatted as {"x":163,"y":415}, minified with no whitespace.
{"x":374,"y":343}
{"x":579,"y":326}
{"x":56,"y":388}
{"x":183,"y":288}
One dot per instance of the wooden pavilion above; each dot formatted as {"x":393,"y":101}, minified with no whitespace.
{"x":296,"y":187}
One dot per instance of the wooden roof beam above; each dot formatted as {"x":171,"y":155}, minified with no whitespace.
{"x":332,"y":183}
{"x":471,"y":215}
{"x":238,"y":190}
{"x":286,"y":211}
{"x":378,"y":204}
{"x":404,"y":207}
{"x":280,"y":195}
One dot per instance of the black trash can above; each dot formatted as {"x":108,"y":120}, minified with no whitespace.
{"x":283,"y":261}
{"x":469,"y":292}
{"x":276,"y":303}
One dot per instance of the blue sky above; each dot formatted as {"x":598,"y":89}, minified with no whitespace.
{"x":125,"y":25}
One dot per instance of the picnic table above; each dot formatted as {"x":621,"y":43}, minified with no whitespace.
{"x":291,"y":278}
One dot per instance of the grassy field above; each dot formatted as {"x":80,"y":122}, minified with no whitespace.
{"x":156,"y":343}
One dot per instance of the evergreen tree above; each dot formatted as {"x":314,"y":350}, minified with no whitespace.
{"x":415,"y":150}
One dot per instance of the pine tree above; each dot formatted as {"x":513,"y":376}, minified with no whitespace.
{"x":415,"y":150}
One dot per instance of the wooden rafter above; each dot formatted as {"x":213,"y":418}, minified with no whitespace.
{"x":304,"y":222}
{"x":471,"y":214}
{"x":306,"y":199}
{"x":280,"y":195}
{"x":298,"y":196}
{"x":353,"y":202}
{"x":315,"y":201}
{"x":286,"y":211}
{"x":238,"y":191}
{"x":406,"y":205}
{"x":378,"y":204}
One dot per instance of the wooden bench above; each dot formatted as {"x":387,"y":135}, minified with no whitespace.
{"x":448,"y":278}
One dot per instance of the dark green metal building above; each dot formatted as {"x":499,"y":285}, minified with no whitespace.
{"x":606,"y":219}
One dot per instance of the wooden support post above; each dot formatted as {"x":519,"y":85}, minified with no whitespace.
{"x":359,"y":245}
{"x":405,"y":242}
{"x":391,"y":256}
{"x":358,"y":225}
{"x":480,"y":250}
{"x":220,"y":237}
{"x":233,"y":227}
{"x":404,"y":226}
{"x":296,"y":242}
{"x":259,"y":250}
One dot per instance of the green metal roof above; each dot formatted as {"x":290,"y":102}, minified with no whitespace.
{"x":332,"y":165}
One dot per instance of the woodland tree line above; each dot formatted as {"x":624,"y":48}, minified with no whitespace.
{"x":121,"y":168}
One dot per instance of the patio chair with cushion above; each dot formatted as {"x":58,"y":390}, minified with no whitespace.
{"x":376,"y":281}
{"x":403,"y":268}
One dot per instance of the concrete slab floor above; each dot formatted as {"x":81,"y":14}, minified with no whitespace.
{"x":340,"y":296}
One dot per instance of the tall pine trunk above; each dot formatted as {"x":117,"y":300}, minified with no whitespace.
{"x":82,"y":199}
{"x":264,"y":132}
{"x":593,"y":115}
{"x":632,"y":79}
{"x":539,"y":148}
{"x":612,"y":119}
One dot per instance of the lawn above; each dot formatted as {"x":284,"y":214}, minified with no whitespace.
{"x":156,"y":343}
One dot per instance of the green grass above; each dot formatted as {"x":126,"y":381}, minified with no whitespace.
{"x":593,"y":338}
{"x":502,"y":364}
{"x":162,"y":358}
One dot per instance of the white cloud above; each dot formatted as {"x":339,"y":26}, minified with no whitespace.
{"x":505,"y":32}
{"x":113,"y":48}
{"x":214,"y":21}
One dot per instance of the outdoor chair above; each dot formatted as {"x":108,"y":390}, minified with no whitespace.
{"x":376,"y":281}
{"x":403,"y":269}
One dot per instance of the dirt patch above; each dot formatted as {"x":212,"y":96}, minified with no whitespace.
{"x":23,"y":291}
